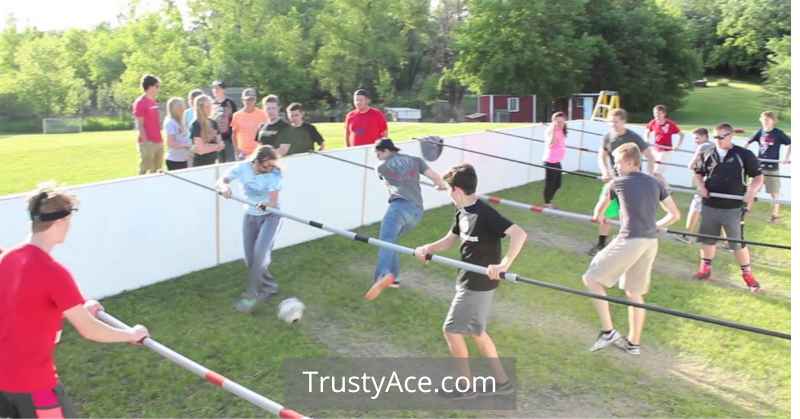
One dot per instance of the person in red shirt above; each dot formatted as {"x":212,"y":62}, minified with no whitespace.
{"x":659,"y":133}
{"x":364,"y":125}
{"x":36,"y":293}
{"x":148,"y":126}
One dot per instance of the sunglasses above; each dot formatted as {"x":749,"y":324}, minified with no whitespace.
{"x":721,"y":137}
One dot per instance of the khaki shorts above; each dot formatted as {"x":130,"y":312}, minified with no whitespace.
{"x":151,"y":157}
{"x":627,"y":261}
{"x":772,"y":183}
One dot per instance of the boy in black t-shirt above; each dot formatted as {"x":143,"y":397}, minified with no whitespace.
{"x":480,"y":229}
{"x":770,"y":139}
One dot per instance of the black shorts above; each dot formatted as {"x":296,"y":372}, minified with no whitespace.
{"x":52,"y":403}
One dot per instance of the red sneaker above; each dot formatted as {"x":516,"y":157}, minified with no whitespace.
{"x":751,"y":282}
{"x":703,"y":273}
{"x":378,"y":287}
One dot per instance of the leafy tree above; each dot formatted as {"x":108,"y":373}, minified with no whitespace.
{"x":778,"y":73}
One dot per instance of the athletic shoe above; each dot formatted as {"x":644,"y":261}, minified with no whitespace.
{"x":684,"y":239}
{"x":605,"y":339}
{"x":628,"y":347}
{"x":454,"y":394}
{"x":774,"y":219}
{"x":595,"y":249}
{"x":751,"y":282}
{"x":245,"y":305}
{"x":395,"y":284}
{"x":703,"y":272}
{"x":496,"y":389}
{"x":378,"y":286}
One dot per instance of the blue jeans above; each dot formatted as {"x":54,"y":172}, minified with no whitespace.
{"x":400,"y":218}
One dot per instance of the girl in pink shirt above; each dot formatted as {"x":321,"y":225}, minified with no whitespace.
{"x":554,"y":149}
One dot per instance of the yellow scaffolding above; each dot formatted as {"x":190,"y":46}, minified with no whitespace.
{"x":607,"y":102}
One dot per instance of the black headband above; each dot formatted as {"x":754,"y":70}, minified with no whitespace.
{"x":36,"y":215}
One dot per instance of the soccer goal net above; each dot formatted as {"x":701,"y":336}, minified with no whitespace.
{"x":61,"y":125}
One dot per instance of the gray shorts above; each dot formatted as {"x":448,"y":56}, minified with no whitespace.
{"x":716,"y":219}
{"x":469,"y":311}
{"x":772,"y":183}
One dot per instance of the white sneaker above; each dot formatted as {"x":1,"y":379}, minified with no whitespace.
{"x":605,"y":339}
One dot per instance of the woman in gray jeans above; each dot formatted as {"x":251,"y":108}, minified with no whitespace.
{"x":261,"y":180}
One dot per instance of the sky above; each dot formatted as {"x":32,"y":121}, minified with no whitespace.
{"x":65,"y":14}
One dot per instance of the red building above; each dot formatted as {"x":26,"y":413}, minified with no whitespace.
{"x":505,"y":108}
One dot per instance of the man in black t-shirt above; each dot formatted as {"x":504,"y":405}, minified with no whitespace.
{"x":480,"y":228}
{"x":725,"y":169}
{"x":222,"y":112}
{"x":770,"y":139}
{"x":270,"y":133}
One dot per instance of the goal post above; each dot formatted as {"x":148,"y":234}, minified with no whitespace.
{"x":61,"y":125}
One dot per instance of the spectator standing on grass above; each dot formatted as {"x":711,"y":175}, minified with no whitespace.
{"x":269,"y":131}
{"x":659,"y":133}
{"x":245,"y":124}
{"x":205,"y":133}
{"x":554,"y":150}
{"x":617,"y":136}
{"x":629,"y":258}
{"x":36,"y":294}
{"x":223,"y":111}
{"x":364,"y":124}
{"x":299,"y":136}
{"x":696,"y":207}
{"x":189,"y":115}
{"x":725,"y":169}
{"x":179,"y":144}
{"x":770,"y":139}
{"x":148,"y":126}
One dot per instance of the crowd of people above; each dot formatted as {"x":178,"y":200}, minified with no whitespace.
{"x":40,"y":291}
{"x":204,"y":130}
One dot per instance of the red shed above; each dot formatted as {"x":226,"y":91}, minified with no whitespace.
{"x":507,"y":108}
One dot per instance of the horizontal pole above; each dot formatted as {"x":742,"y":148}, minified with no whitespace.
{"x":205,"y":373}
{"x":513,"y":277}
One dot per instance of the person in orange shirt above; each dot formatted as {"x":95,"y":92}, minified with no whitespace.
{"x":245,"y":124}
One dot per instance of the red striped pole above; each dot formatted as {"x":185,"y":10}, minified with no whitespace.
{"x":208,"y":375}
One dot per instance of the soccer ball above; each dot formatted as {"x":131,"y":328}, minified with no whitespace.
{"x":290,"y":310}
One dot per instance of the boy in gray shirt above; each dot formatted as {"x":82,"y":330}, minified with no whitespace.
{"x":401,"y":174}
{"x":629,"y":257}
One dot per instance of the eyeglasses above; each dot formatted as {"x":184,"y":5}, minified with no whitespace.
{"x":721,"y":137}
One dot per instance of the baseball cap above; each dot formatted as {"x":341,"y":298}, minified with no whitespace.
{"x":249,"y":93}
{"x":218,"y":83}
{"x":386,"y":144}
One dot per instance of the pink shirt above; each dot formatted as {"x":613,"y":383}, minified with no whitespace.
{"x":555,"y":152}
{"x":147,"y":109}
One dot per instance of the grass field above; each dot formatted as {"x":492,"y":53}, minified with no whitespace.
{"x":686,"y":368}
{"x":87,"y":157}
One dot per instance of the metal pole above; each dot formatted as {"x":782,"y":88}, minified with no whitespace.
{"x":205,"y":373}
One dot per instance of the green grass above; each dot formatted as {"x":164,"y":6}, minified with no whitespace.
{"x":538,"y":327}
{"x":739,"y":103}
{"x":88,"y":157}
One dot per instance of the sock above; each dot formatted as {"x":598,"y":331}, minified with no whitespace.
{"x":707,"y":263}
{"x":746,"y":269}
{"x":601,"y":241}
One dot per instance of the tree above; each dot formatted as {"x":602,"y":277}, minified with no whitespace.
{"x":778,"y":73}
{"x":448,"y":16}
{"x":45,"y":81}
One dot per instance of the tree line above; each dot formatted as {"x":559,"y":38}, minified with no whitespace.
{"x":408,"y":53}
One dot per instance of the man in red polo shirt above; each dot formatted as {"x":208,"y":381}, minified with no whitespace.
{"x":148,"y":126}
{"x":364,"y":125}
{"x":36,"y":293}
{"x":660,"y":130}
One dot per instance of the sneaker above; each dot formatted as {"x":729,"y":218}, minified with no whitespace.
{"x":595,"y":249}
{"x":395,"y":284}
{"x":604,"y":340}
{"x":703,"y":272}
{"x":684,"y":239}
{"x":774,"y":219}
{"x":454,"y":394}
{"x":245,"y":305}
{"x":751,"y":282}
{"x":496,"y":389}
{"x":628,"y":347}
{"x":378,"y":286}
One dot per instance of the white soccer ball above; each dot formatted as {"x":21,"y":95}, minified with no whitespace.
{"x":290,"y":310}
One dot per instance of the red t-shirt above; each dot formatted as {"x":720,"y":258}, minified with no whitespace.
{"x":144,"y":107}
{"x":365,"y":128}
{"x":35,"y":290}
{"x":663,"y":132}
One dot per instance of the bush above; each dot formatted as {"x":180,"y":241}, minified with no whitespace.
{"x":11,"y":125}
{"x":108,"y":123}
